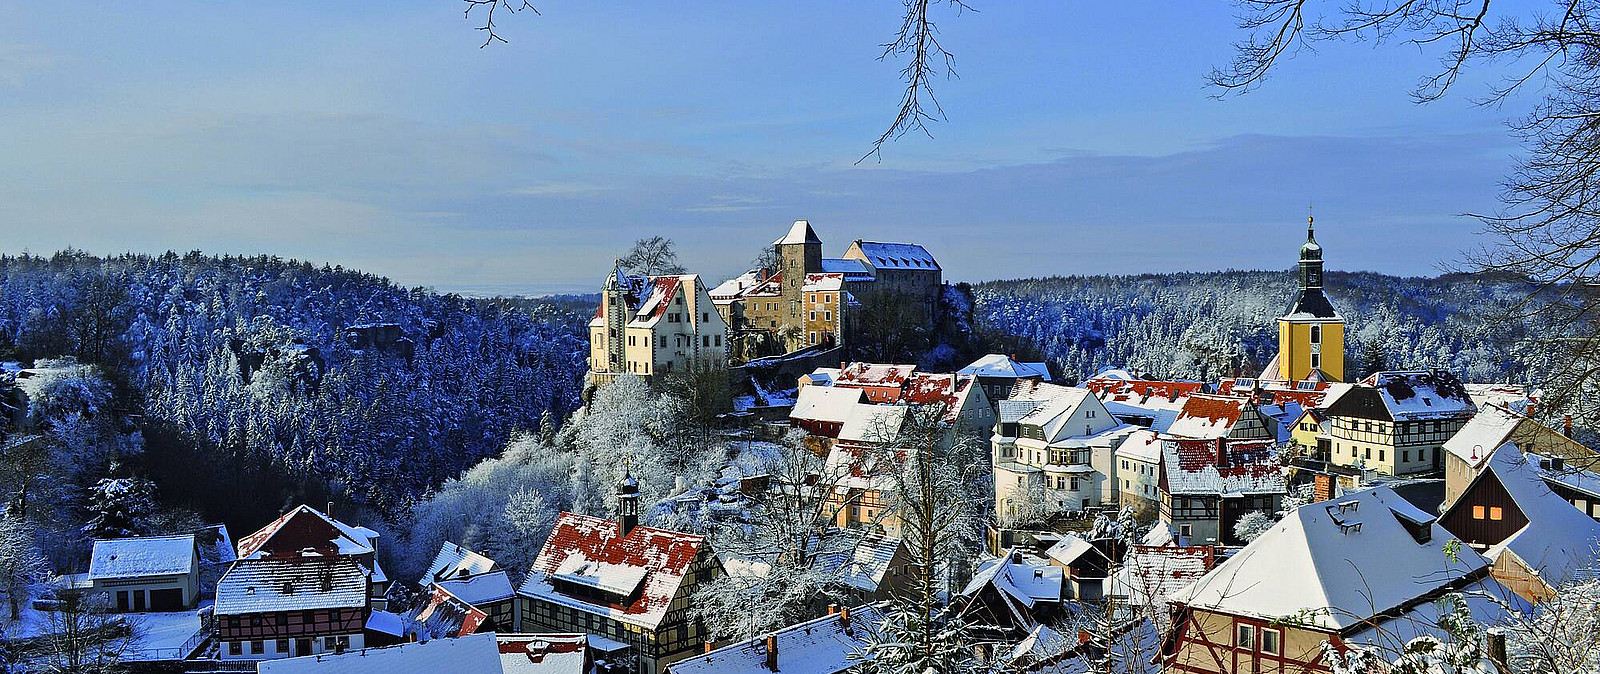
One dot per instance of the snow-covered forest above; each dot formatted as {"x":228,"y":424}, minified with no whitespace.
{"x":239,"y":376}
{"x":1210,"y":325}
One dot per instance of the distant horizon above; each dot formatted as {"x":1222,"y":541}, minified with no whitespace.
{"x":585,"y":288}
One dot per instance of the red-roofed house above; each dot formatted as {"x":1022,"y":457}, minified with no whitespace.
{"x":882,"y":383}
{"x":1207,"y":485}
{"x":308,"y":532}
{"x":620,"y":582}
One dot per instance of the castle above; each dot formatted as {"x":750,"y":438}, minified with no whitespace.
{"x":811,"y":301}
{"x":655,"y":325}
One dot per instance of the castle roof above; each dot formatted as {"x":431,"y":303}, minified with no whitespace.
{"x":799,"y":232}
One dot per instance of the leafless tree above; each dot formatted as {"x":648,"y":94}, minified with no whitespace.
{"x":653,"y":256}
{"x":489,"y":7}
{"x":917,"y":42}
{"x":81,"y":637}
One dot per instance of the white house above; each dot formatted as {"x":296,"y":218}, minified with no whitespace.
{"x":159,"y":573}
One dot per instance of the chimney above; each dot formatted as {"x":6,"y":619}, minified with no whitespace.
{"x":1533,"y":409}
{"x":1558,"y":463}
{"x":844,"y":618}
{"x":1222,"y":453}
{"x":710,"y":646}
{"x":772,"y":652}
{"x":1566,"y":426}
{"x":833,"y":609}
{"x":329,"y":511}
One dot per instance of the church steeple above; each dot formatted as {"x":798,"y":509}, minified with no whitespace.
{"x":1311,"y":333}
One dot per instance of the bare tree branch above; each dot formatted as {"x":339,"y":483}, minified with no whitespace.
{"x":918,"y":40}
{"x":490,"y":7}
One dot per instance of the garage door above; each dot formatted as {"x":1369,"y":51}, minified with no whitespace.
{"x":166,"y":600}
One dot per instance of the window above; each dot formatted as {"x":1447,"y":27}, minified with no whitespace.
{"x":257,"y":647}
{"x":1091,"y":414}
{"x":281,"y":645}
{"x":1269,"y":641}
{"x":1185,"y":530}
{"x":1316,"y":360}
{"x":719,"y":340}
{"x":827,"y":315}
{"x":813,"y":315}
{"x":1477,"y":512}
{"x":1124,"y":464}
{"x":1246,"y":638}
{"x":329,"y":643}
{"x":1074,"y":484}
{"x":1405,"y":456}
{"x":1380,"y":455}
{"x":1316,"y":334}
{"x":707,"y":340}
{"x":1496,"y":514}
{"x":236,"y":648}
{"x":1369,"y":452}
{"x":827,"y":299}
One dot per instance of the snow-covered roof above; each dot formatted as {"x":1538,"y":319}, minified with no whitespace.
{"x":1489,"y":428}
{"x":1151,"y":574}
{"x":826,"y":404}
{"x":1407,"y":396}
{"x":1067,"y":550}
{"x":824,"y":282}
{"x":874,"y":374}
{"x":826,"y":645}
{"x":386,"y":622}
{"x":902,"y":256}
{"x":291,"y":584}
{"x":737,"y":285}
{"x":1026,"y":583}
{"x":799,"y":232}
{"x":142,"y":557}
{"x":1335,"y":564}
{"x":484,"y":588}
{"x":454,"y":561}
{"x":872,"y":423}
{"x":474,"y":654}
{"x":447,"y":616}
{"x":1559,"y":542}
{"x":1515,"y":397}
{"x":1142,"y":445}
{"x":658,"y":295}
{"x":853,"y":269}
{"x":588,"y":551}
{"x":1208,"y":417}
{"x":306,"y":530}
{"x":1141,"y":392}
{"x":860,"y":561}
{"x":1194,"y":467}
{"x":543,"y":653}
{"x":999,"y":365}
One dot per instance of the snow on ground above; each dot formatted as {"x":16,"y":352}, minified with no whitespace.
{"x":160,"y":636}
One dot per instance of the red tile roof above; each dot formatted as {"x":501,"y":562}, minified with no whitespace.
{"x":664,"y":558}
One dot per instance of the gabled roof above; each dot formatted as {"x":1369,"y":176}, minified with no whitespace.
{"x":1491,"y":427}
{"x":291,"y":584}
{"x":652,"y":561}
{"x":475,"y":654}
{"x":657,"y":297}
{"x":1070,"y":549}
{"x":1143,"y":445}
{"x":1193,"y":467}
{"x":446,"y":616}
{"x":1559,"y":543}
{"x":1151,"y":574}
{"x":1002,"y":366}
{"x":454,"y":561}
{"x":898,"y":256}
{"x":1028,"y":584}
{"x":142,"y":557}
{"x":799,"y":232}
{"x":306,"y":530}
{"x":826,"y":645}
{"x":737,"y":285}
{"x":1311,"y":304}
{"x":1336,"y":564}
{"x":826,"y":404}
{"x":1406,"y":396}
{"x":1208,"y":417}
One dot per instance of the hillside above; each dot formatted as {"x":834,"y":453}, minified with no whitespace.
{"x":241,"y":376}
{"x":1210,"y":325}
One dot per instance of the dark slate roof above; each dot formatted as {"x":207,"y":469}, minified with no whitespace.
{"x":1312,"y":303}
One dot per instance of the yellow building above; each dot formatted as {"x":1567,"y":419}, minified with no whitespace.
{"x":655,"y":325}
{"x":1311,"y":335}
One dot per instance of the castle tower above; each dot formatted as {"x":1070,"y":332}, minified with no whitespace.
{"x":799,"y":253}
{"x":614,"y":306}
{"x":1311,"y":334}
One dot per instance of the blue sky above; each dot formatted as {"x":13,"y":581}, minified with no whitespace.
{"x":1081,"y":139}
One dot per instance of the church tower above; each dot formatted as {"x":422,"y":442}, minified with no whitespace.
{"x":1311,"y":334}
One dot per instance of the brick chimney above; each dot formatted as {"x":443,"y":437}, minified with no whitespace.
{"x":710,"y":646}
{"x":772,"y":652}
{"x":1566,"y":426}
{"x":844,"y":618}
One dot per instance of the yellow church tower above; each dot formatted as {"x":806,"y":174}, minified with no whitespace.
{"x":1311,"y":335}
